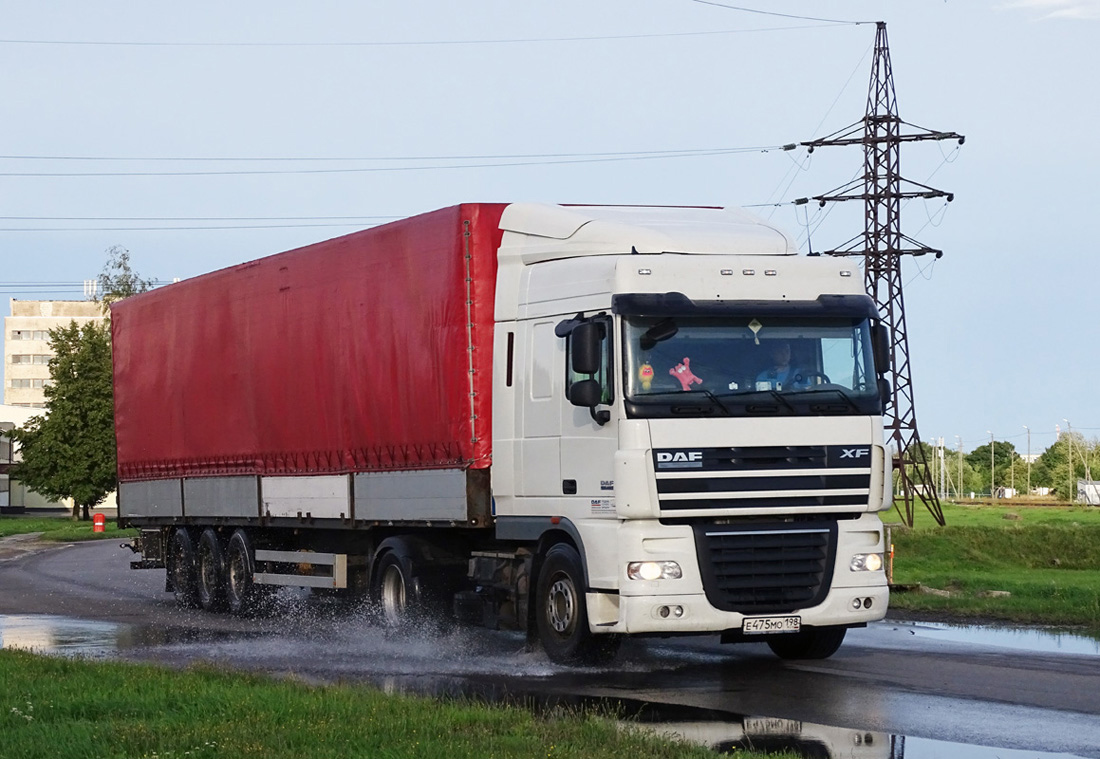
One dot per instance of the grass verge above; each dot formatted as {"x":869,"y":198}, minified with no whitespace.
{"x":74,"y":708}
{"x":1045,"y":558}
{"x":60,"y":529}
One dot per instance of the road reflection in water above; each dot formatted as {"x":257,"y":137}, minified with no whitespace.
{"x":481,"y":665}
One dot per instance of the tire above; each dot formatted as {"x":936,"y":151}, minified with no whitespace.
{"x":181,"y":568}
{"x":396,"y":591}
{"x":561,"y":613}
{"x":242,"y":595}
{"x":211,"y":571}
{"x":817,"y":643}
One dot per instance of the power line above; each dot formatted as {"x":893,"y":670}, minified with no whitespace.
{"x":199,"y":218}
{"x":376,"y":169}
{"x":781,"y":15}
{"x":221,"y":227}
{"x":471,"y":157}
{"x":428,"y":43}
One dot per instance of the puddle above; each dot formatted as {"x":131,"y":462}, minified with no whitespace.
{"x":1022,"y":638}
{"x":66,"y":636}
{"x":813,"y":741}
{"x":52,"y":635}
{"x":495,"y":668}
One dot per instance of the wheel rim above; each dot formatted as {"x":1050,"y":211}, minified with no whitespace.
{"x":393,"y":594}
{"x":561,"y":605}
{"x":209,"y":574}
{"x":238,"y":574}
{"x":179,"y":568}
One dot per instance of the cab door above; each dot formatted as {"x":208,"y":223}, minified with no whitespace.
{"x":589,"y":435}
{"x":541,"y":397}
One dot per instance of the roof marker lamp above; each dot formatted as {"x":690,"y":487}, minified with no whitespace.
{"x":653,"y":570}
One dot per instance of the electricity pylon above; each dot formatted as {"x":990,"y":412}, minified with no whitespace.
{"x":882,"y":245}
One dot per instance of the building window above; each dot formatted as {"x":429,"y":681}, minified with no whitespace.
{"x":30,"y":358}
{"x":25,"y":383}
{"x":30,"y":334}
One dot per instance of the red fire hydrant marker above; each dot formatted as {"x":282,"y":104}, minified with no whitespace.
{"x":99,"y":523}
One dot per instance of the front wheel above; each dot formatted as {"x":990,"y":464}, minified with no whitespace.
{"x":816,"y":643}
{"x":562,"y":614}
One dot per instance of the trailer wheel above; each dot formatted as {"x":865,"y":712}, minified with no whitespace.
{"x":211,"y":571}
{"x":242,"y":594}
{"x":562,"y":615}
{"x":181,"y":568}
{"x":818,"y":643}
{"x":396,"y":590}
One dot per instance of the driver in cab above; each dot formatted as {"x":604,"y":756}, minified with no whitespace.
{"x":780,"y":373}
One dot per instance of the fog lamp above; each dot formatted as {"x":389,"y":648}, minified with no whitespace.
{"x":653,"y":570}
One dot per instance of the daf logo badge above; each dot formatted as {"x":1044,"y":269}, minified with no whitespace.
{"x":680,"y":459}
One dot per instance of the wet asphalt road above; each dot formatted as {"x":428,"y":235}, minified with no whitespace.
{"x":893,"y":677}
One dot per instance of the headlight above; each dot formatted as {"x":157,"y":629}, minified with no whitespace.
{"x":866,"y":562}
{"x":653,"y":570}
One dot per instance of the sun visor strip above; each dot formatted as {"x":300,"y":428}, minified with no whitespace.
{"x":678,"y":304}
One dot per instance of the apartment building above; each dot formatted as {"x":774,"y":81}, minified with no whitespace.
{"x":27,"y":344}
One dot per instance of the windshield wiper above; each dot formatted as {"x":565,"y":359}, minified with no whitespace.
{"x":663,"y":396}
{"x":838,"y":391}
{"x":714,"y":399}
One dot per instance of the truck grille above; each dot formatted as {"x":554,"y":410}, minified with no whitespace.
{"x":698,"y":482}
{"x":766,"y":569}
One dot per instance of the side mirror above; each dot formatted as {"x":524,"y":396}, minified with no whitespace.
{"x":884,"y":392}
{"x":880,"y":347}
{"x":585,"y":345}
{"x":585,"y":393}
{"x":589,"y":394}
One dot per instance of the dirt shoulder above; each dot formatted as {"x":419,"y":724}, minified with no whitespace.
{"x":17,"y":546}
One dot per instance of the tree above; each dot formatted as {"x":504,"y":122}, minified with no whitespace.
{"x":1053,"y":464}
{"x":118,"y":280}
{"x":1004,"y":454}
{"x":70,"y":451}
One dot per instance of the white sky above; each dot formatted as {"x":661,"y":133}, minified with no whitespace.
{"x":1000,"y":328}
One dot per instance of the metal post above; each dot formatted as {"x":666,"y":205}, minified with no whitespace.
{"x":992,"y":468}
{"x":1028,"y":460}
{"x":1069,"y":457}
{"x":960,"y":490}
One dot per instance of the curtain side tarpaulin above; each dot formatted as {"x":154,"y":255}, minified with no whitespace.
{"x":349,"y":355}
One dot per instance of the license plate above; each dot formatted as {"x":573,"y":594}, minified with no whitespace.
{"x":771,"y":726}
{"x":762,"y":625}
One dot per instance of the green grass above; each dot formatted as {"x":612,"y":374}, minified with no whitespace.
{"x":72,"y":709}
{"x":1012,"y":512}
{"x":60,"y":529}
{"x":1046,"y":557}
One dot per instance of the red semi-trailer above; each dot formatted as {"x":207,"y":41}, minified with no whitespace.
{"x":368,"y":352}
{"x":559,"y":419}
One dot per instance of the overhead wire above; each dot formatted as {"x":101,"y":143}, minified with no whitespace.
{"x":426,"y":43}
{"x":468,"y":157}
{"x":487,"y":164}
{"x":744,"y":9}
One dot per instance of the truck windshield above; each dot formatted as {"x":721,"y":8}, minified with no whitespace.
{"x":742,"y":365}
